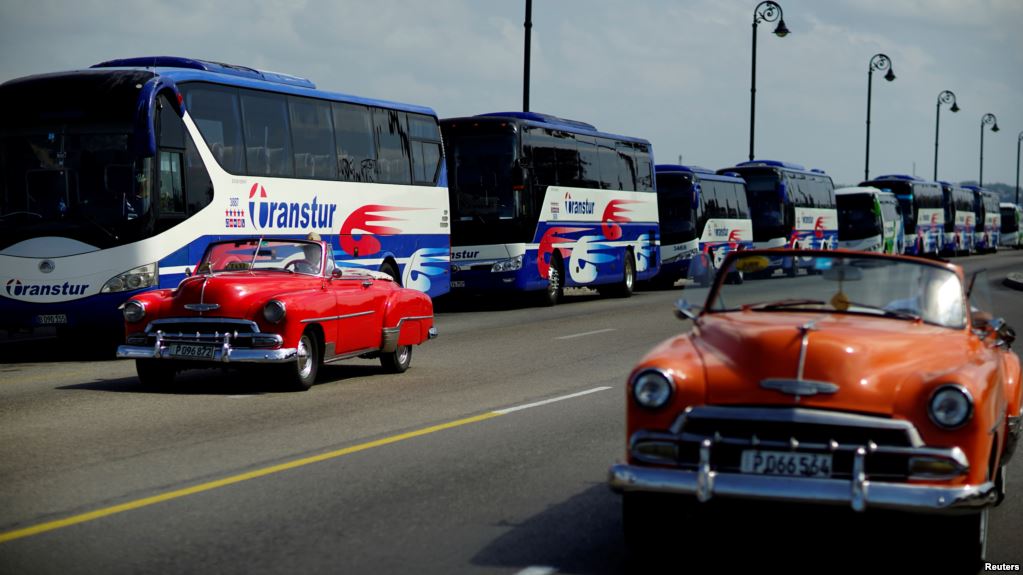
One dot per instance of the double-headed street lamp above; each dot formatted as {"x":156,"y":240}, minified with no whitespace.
{"x":986,"y":120}
{"x":878,"y":62}
{"x":946,"y":97}
{"x":766,"y":11}
{"x":528,"y":25}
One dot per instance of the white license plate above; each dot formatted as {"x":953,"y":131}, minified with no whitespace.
{"x":786,"y":463}
{"x":52,"y":319}
{"x":190,"y":351}
{"x":458,"y":284}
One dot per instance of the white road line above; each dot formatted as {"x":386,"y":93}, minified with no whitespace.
{"x":552,"y":400}
{"x":585,"y":333}
{"x":537,"y":570}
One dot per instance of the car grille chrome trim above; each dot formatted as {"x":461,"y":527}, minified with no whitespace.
{"x":337,"y":317}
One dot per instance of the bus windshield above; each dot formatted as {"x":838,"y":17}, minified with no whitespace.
{"x":480,"y":166}
{"x":675,"y":207}
{"x":68,"y":168}
{"x":765,"y":205}
{"x":857,"y":218}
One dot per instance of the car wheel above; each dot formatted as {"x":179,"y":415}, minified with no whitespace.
{"x":397,"y":361}
{"x":389,"y":269}
{"x":300,"y":375}
{"x":555,"y":290}
{"x":1000,"y":488}
{"x":154,"y":373}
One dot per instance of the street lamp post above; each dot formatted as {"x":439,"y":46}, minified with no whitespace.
{"x":877,"y":62}
{"x":987,"y":119}
{"x":525,"y":72}
{"x":946,"y":97}
{"x":766,"y":11}
{"x":1018,"y":141}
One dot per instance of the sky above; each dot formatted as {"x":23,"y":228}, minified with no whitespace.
{"x":675,"y":72}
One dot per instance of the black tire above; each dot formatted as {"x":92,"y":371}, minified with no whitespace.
{"x":300,"y":375}
{"x":155,"y":373}
{"x":389,"y":269}
{"x":555,"y":290}
{"x":627,"y":286}
{"x":397,"y":361}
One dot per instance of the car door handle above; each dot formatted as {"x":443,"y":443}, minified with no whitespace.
{"x":367,"y":283}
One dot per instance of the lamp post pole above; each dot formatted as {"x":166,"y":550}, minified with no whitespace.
{"x":766,"y":11}
{"x":1018,"y":141}
{"x":877,"y":62}
{"x":946,"y":97}
{"x":984,"y":121}
{"x":525,"y":73}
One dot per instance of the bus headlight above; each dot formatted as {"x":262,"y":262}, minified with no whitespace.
{"x":652,"y":388}
{"x":133,"y":311}
{"x":950,"y":407}
{"x":510,"y":265}
{"x":135,"y":279}
{"x":274,"y":311}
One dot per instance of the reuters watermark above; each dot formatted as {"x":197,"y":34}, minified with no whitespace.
{"x":1001,"y":566}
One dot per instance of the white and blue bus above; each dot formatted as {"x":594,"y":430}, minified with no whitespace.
{"x":869,"y":220}
{"x":703,"y":216}
{"x":540,"y":203}
{"x":1012,"y":218}
{"x":959,"y":220}
{"x":923,"y":211}
{"x":791,"y":207}
{"x":989,"y":219}
{"x":115,"y":179}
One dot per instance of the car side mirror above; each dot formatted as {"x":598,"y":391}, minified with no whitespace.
{"x":1003,"y":332}
{"x":336,"y":273}
{"x":188,"y":272}
{"x":684,"y":310}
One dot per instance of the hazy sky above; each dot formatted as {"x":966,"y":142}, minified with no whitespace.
{"x":673,"y":71}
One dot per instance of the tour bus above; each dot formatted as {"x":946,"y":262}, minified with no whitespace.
{"x":959,"y":220}
{"x":117,"y":177}
{"x":988,"y":217}
{"x":923,"y":211}
{"x":703,"y":216}
{"x":540,"y":203}
{"x":791,"y":207}
{"x":1012,"y":217}
{"x":869,"y":220}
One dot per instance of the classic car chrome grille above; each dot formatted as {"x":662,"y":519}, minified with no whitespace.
{"x":207,"y":330}
{"x":887,"y":444}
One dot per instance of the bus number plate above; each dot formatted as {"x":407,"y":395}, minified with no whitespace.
{"x":52,"y":319}
{"x":458,"y":284}
{"x":189,"y":351}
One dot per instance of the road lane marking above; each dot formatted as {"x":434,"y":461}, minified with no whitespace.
{"x":585,"y":333}
{"x":537,"y":570}
{"x":551,"y":400}
{"x":211,"y":485}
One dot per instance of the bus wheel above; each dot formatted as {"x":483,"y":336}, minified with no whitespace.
{"x":625,"y":287}
{"x":389,"y":269}
{"x":299,"y":376}
{"x":555,"y":283}
{"x":154,"y":373}
{"x":397,"y":361}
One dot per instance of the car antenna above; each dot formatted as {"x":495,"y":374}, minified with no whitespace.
{"x":255,"y":253}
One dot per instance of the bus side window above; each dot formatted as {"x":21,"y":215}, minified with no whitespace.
{"x":627,"y":167}
{"x":426,"y":156}
{"x":267,"y":136}
{"x":395,"y":163}
{"x":568,"y":160}
{"x":185,"y":185}
{"x":217,"y":113}
{"x":312,"y":135}
{"x":589,"y":162}
{"x":540,"y":152}
{"x":356,"y":150}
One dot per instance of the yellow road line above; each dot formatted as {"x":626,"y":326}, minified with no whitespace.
{"x":138,"y":503}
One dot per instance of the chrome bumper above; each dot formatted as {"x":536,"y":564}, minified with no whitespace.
{"x":223,"y":354}
{"x":858,"y":493}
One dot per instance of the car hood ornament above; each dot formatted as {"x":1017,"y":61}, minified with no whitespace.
{"x":800,"y":387}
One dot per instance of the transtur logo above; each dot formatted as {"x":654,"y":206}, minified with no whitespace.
{"x":16,"y":289}
{"x":465,"y":255}
{"x":266,"y":214}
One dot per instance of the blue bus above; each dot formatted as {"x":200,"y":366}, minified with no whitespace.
{"x":989,"y":219}
{"x":540,"y":203}
{"x":116,"y":178}
{"x":703,"y":216}
{"x":960,"y":219}
{"x":923,"y":211}
{"x":791,"y":207}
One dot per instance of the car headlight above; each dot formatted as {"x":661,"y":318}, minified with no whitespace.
{"x":274,"y":311}
{"x":133,"y":311}
{"x":652,"y":388}
{"x":951,"y":406}
{"x":510,"y":265}
{"x":134,"y":279}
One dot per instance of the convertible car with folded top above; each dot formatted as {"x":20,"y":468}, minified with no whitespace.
{"x":874,"y":382}
{"x":278,"y":302}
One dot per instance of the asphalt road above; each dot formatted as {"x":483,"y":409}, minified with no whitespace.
{"x":433,"y":471}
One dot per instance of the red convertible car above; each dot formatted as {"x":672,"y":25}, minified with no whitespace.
{"x":279,"y":302}
{"x":875,"y":382}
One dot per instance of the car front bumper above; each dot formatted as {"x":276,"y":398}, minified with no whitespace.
{"x":223,"y":351}
{"x":859,"y":494}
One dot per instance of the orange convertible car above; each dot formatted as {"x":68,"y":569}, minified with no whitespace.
{"x":873,"y":382}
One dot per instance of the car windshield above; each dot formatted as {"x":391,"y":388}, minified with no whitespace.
{"x":881,"y":286}
{"x":291,"y":256}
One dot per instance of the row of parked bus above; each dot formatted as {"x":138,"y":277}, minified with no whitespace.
{"x":115,"y":178}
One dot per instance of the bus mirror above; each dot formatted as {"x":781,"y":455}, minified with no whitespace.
{"x":518,"y":176}
{"x":696,"y":194}
{"x":783,"y":191}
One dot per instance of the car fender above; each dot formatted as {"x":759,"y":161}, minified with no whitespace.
{"x":679,"y":358}
{"x":409,"y":314}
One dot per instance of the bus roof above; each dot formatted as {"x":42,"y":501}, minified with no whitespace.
{"x":548,"y":121}
{"x":853,"y":190}
{"x":701,"y":172}
{"x":787,"y":166}
{"x":973,"y":188}
{"x":180,"y":69}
